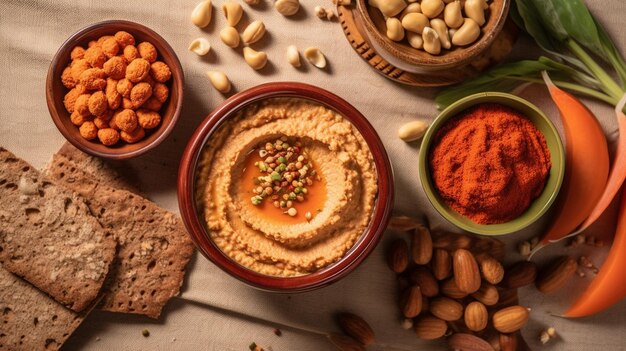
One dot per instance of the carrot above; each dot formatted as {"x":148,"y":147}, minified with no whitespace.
{"x":586,"y":164}
{"x":618,"y":170}
{"x":609,"y":286}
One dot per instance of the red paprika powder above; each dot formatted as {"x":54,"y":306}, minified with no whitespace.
{"x":489,"y":163}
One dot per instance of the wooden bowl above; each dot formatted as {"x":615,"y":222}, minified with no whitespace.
{"x":194,"y":219}
{"x":405,"y":57}
{"x":55,"y":90}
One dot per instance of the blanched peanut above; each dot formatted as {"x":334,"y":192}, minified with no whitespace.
{"x":232,"y":12}
{"x":432,"y":8}
{"x":415,"y":22}
{"x":467,"y":34}
{"x":293,"y":57}
{"x":254,"y":59}
{"x":287,"y":7}
{"x":475,"y":9}
{"x":200,"y":46}
{"x":415,"y":40}
{"x":452,"y":14}
{"x":442,"y":30}
{"x":395,"y":31}
{"x":389,"y":8}
{"x":201,"y":14}
{"x":220,"y":81}
{"x":230,"y":36}
{"x":315,"y":57}
{"x":253,"y":32}
{"x":412,"y":8}
{"x":432,"y":45}
{"x":412,"y":130}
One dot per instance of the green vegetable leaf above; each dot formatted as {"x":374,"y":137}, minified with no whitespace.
{"x":578,"y":23}
{"x":615,"y":58}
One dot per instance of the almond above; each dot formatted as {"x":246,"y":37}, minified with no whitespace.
{"x":507,"y":297}
{"x":398,"y":256}
{"x":476,"y":316}
{"x":421,"y":245}
{"x":487,"y":294}
{"x":450,"y":289}
{"x":491,"y":270}
{"x":424,"y":278}
{"x":508,"y":342}
{"x":345,"y":343}
{"x":403,"y":223}
{"x":466,"y":273}
{"x":411,"y":302}
{"x":428,"y":327}
{"x":446,"y":308}
{"x":556,"y":274}
{"x":468,"y":342}
{"x":510,"y":319}
{"x":356,"y":327}
{"x":442,"y":264}
{"x":520,"y":274}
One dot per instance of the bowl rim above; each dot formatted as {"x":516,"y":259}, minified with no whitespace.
{"x":439,"y":61}
{"x":361,"y":248}
{"x":177,"y":80}
{"x":445,"y":211}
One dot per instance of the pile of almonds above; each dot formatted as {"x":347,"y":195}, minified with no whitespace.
{"x":452,"y":285}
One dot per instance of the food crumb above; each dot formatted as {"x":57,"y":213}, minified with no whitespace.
{"x":254,"y":347}
{"x":145,"y":333}
{"x":173,"y":339}
{"x":97,"y":338}
{"x":278,"y":332}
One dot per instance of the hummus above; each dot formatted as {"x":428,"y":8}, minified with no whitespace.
{"x":334,"y":205}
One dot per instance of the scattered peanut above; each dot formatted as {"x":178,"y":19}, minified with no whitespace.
{"x":220,"y":81}
{"x":255,"y":59}
{"x":230,"y":36}
{"x":293,"y":56}
{"x":315,"y":57}
{"x":201,"y":14}
{"x":233,"y":12}
{"x":412,"y":131}
{"x":200,"y":46}
{"x":253,"y":32}
{"x":287,"y":7}
{"x":547,"y":335}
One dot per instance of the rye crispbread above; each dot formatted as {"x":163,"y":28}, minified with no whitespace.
{"x":49,"y":237}
{"x":31,"y":320}
{"x":154,"y":247}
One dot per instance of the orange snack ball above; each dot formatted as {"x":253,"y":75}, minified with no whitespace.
{"x":78,"y":52}
{"x":95,"y":56}
{"x":82,"y":105}
{"x":161,"y":92}
{"x":133,"y":136}
{"x":110,"y":47}
{"x":77,"y":68}
{"x":114,"y":98}
{"x":91,"y":43}
{"x":88,"y":130}
{"x":67,"y":79}
{"x":131,"y":53}
{"x":115,"y":67}
{"x":102,"y":39}
{"x":126,"y":120}
{"x":153,"y":104}
{"x":77,"y":119}
{"x":148,"y":119}
{"x":124,"y":39}
{"x":147,"y":51}
{"x":108,"y":136}
{"x":93,"y":79}
{"x":98,"y":104}
{"x":127,"y":104}
{"x":160,"y":72}
{"x":137,"y":70}
{"x":140,"y":93}
{"x":101,"y":123}
{"x":112,"y":120}
{"x":124,"y":86}
{"x":70,"y":98}
{"x":149,"y":80}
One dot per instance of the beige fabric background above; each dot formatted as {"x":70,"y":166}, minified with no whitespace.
{"x":216,"y":312}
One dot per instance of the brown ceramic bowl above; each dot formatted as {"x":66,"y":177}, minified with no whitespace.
{"x":403,"y":56}
{"x":197,"y":228}
{"x":55,"y":90}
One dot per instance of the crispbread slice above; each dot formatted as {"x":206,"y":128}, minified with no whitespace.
{"x":31,"y":320}
{"x":49,"y":237}
{"x":154,"y":247}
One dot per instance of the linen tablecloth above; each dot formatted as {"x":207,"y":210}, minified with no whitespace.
{"x":215,"y":311}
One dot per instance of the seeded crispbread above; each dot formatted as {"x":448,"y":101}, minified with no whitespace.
{"x":31,"y":320}
{"x":49,"y":237}
{"x":154,"y":247}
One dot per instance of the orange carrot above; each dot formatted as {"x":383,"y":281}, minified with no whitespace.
{"x":609,"y":286}
{"x":618,"y":170}
{"x":586,"y":164}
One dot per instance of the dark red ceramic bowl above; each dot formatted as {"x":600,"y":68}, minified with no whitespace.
{"x":195,"y":223}
{"x":55,"y":91}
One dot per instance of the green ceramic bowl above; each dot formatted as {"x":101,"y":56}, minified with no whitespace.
{"x":539,"y":206}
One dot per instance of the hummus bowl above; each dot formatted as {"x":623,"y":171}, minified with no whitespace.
{"x":286,"y":187}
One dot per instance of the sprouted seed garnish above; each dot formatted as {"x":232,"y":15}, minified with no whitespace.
{"x":286,"y":175}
